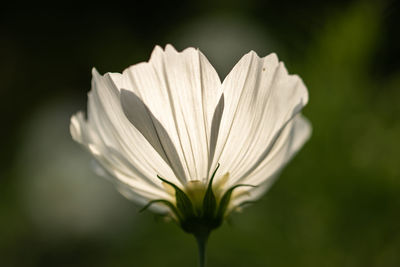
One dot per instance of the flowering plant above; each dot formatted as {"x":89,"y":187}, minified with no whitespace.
{"x":178,"y":141}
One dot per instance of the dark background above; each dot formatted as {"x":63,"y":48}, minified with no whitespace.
{"x":336,"y":204}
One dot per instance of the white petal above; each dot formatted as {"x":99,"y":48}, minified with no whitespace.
{"x":131,"y":194}
{"x":260,"y":99}
{"x":143,"y":119}
{"x":77,"y":128}
{"x":292,"y":138}
{"x":116,"y":144}
{"x":106,"y":116}
{"x":128,"y":191}
{"x":172,"y":102}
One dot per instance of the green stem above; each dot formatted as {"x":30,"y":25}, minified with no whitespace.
{"x":202,"y":244}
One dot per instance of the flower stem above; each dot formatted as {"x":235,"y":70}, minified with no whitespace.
{"x":202,"y":244}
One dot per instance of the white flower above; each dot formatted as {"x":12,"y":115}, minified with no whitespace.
{"x":163,"y":127}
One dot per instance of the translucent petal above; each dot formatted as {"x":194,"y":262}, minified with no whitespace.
{"x":128,"y":191}
{"x":116,"y":144}
{"x":172,"y":100}
{"x":260,"y":100}
{"x":292,"y":138}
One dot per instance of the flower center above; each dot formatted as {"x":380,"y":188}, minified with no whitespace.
{"x":199,"y":207}
{"x":196,"y":190}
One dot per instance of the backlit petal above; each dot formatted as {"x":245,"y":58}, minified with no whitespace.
{"x":260,"y":100}
{"x":115,"y":143}
{"x":171,"y":100}
{"x":292,"y":138}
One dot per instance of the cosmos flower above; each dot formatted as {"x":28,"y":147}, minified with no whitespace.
{"x":177,"y":140}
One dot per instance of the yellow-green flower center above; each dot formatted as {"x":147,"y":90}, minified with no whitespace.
{"x":199,"y":207}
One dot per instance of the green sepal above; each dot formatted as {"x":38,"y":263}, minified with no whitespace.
{"x":247,"y":203}
{"x":210,"y":213}
{"x":183,"y":202}
{"x":209,"y":201}
{"x":223,"y":204}
{"x":166,"y":202}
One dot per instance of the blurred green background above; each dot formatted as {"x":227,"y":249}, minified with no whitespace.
{"x":336,"y":204}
